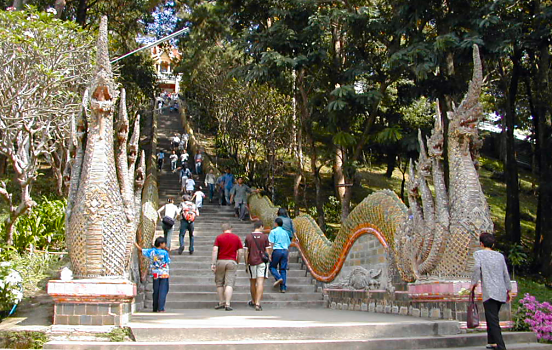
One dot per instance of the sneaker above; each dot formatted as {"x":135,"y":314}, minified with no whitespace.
{"x":180,"y":250}
{"x":282,"y":290}
{"x":228,"y":308}
{"x":277,"y":283}
{"x":191,"y":252}
{"x":220,"y":307}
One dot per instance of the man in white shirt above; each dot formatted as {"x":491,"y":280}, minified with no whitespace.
{"x":190,"y":186}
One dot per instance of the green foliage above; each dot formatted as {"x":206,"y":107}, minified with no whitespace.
{"x":43,"y":227}
{"x":35,"y":269}
{"x":517,"y":257}
{"x":332,"y":210}
{"x":23,"y":339}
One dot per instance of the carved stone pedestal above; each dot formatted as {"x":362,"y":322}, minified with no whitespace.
{"x":427,"y":299}
{"x":442,"y":297}
{"x":92,"y":302}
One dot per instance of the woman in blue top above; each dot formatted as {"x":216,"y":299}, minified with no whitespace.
{"x":288,"y":223}
{"x":159,"y":263}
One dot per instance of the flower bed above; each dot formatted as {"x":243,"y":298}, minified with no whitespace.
{"x":535,"y":316}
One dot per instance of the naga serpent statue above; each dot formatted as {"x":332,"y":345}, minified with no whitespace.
{"x":435,"y":236}
{"x":104,"y":208}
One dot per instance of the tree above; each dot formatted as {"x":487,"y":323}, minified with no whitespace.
{"x":42,"y":76}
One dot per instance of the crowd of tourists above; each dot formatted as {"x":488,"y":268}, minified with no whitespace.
{"x":261,"y":252}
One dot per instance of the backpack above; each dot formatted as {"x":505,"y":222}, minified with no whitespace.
{"x":188,"y":214}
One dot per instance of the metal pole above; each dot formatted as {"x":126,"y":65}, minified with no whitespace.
{"x":155,"y":43}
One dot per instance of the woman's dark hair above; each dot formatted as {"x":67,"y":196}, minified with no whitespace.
{"x":488,"y":239}
{"x":282,"y":212}
{"x":279,"y":222}
{"x":159,"y":241}
{"x":170,"y":200}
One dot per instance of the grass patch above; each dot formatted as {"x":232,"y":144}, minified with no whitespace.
{"x":119,"y":334}
{"x":23,"y":339}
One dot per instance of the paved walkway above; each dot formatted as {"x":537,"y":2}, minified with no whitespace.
{"x":206,"y":318}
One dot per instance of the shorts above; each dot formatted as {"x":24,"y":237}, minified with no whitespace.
{"x":258,"y":271}
{"x":225,"y":274}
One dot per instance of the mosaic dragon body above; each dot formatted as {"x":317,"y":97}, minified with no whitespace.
{"x":104,"y":203}
{"x":434,"y":237}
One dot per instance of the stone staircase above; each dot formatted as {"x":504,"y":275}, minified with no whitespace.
{"x":192,"y":283}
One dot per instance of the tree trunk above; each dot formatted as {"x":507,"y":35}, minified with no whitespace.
{"x":512,"y":220}
{"x":544,"y":215}
{"x":60,"y":7}
{"x":391,"y":163}
{"x":82,"y":10}
{"x":321,"y":220}
{"x":3,"y":164}
{"x":18,"y":4}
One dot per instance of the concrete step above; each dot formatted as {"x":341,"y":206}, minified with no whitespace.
{"x":238,"y":296}
{"x":203,"y":255}
{"x":240,"y":304}
{"x":379,"y":344}
{"x":241,"y":272}
{"x":241,"y":288}
{"x":241,"y":279}
{"x":193,"y":264}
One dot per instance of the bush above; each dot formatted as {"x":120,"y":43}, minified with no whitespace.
{"x":23,"y":340}
{"x":534,"y":316}
{"x":42,"y":228}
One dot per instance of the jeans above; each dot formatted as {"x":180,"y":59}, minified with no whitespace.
{"x":494,"y":334}
{"x":222,"y":200}
{"x":211,"y":191}
{"x":279,"y":257}
{"x":227,"y":195}
{"x":198,"y":168}
{"x":241,"y":210}
{"x":160,"y":290}
{"x":167,"y":233}
{"x":189,"y":226}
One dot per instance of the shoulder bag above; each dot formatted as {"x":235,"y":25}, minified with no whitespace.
{"x":473,"y":312}
{"x":167,"y":220}
{"x":264,"y":255}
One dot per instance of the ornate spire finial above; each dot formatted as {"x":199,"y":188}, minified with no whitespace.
{"x":103,"y":62}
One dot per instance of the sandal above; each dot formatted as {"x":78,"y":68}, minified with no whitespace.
{"x":220,"y":307}
{"x":258,"y":308}
{"x":251,"y":303}
{"x":228,"y":308}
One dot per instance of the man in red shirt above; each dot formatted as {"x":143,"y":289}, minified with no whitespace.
{"x":227,"y":251}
